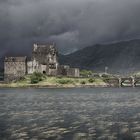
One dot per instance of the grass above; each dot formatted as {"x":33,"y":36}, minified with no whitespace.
{"x":56,"y":82}
{"x":136,"y":74}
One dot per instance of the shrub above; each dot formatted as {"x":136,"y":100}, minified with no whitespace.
{"x":91,"y":80}
{"x":36,"y":77}
{"x":22,"y":78}
{"x":60,"y":77}
{"x":83,"y":82}
{"x":86,"y":73}
{"x":105,"y":76}
{"x":34,"y":80}
{"x":65,"y":81}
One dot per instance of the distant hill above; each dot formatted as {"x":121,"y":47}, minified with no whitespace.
{"x":121,"y":57}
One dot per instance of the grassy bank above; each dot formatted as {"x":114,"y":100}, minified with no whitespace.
{"x":53,"y":82}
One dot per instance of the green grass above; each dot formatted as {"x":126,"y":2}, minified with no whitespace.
{"x":70,"y":81}
{"x":57,"y":81}
{"x":136,"y":74}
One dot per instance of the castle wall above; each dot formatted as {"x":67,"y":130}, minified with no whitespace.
{"x":29,"y":67}
{"x":65,"y":70}
{"x":45,"y":54}
{"x":33,"y":66}
{"x":44,"y":69}
{"x":62,"y":70}
{"x":14,"y":68}
{"x":52,"y":72}
{"x":47,"y":58}
{"x":73,"y":72}
{"x":40,"y":54}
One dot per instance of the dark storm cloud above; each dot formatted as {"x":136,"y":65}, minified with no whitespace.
{"x":72,"y":24}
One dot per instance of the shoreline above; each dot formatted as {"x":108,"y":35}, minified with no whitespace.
{"x":37,"y":86}
{"x":56,"y":86}
{"x":57,"y":82}
{"x":62,"y":82}
{"x":52,"y":85}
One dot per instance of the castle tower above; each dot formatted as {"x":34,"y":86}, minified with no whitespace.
{"x":46,"y":56}
{"x":14,"y":68}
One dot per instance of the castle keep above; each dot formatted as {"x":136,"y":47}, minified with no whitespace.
{"x":44,"y":60}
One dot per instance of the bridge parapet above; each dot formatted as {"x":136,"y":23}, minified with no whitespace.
{"x":124,"y":81}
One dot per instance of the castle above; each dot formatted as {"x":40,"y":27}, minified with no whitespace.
{"x":44,"y":60}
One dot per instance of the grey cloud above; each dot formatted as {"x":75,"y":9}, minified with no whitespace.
{"x":72,"y":24}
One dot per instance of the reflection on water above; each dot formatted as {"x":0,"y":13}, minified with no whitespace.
{"x":70,"y":114}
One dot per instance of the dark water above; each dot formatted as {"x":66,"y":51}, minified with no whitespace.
{"x":70,"y":114}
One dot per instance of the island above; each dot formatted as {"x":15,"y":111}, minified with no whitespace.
{"x":44,"y":70}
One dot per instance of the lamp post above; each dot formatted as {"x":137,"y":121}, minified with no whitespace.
{"x":106,"y":70}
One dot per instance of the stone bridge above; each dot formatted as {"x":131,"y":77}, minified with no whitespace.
{"x":124,"y":81}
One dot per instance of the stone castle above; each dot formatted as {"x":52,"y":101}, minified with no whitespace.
{"x":44,"y":60}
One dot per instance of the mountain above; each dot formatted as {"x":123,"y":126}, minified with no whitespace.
{"x":120,"y":57}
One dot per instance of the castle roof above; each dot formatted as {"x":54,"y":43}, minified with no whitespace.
{"x":15,"y":59}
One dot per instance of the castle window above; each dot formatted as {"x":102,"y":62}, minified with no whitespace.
{"x":52,"y":66}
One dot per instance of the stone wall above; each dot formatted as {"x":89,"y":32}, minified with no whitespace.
{"x":44,"y":69}
{"x":14,"y":68}
{"x":73,"y":72}
{"x":45,"y":54}
{"x":62,"y":70}
{"x":52,"y":72}
{"x":65,"y":70}
{"x":47,"y":58}
{"x":33,"y":66}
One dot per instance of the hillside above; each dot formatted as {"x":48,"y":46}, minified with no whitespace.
{"x":120,"y":57}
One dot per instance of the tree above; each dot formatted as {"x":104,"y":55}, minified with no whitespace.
{"x":36,"y":77}
{"x":86,"y":73}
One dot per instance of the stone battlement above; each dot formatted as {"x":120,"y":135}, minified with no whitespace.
{"x":15,"y":59}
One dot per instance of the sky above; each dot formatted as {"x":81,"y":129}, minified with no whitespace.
{"x":71,"y":24}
